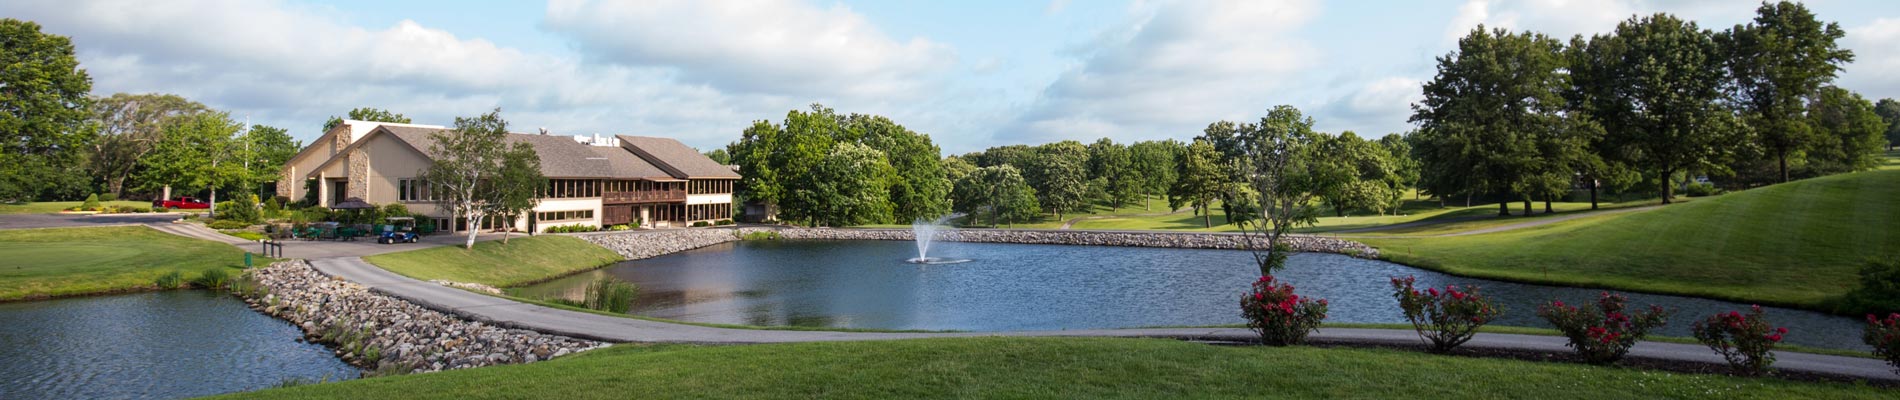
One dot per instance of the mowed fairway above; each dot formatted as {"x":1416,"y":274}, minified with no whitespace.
{"x":1048,"y":368}
{"x":1796,"y":244}
{"x":53,"y":262}
{"x":523,"y":260}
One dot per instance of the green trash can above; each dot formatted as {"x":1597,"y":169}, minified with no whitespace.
{"x":247,"y":260}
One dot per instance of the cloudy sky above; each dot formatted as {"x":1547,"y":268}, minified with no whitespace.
{"x":972,"y":74}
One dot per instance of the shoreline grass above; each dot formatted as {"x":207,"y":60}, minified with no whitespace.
{"x":67,"y":262}
{"x":1050,"y":367}
{"x":523,"y":261}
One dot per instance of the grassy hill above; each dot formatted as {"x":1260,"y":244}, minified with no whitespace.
{"x":521,"y":261}
{"x":1049,"y":368}
{"x":1796,"y":244}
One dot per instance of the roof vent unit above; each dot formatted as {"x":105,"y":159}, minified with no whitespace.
{"x":544,"y":131}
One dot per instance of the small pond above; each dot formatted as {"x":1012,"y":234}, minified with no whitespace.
{"x":160,"y":345}
{"x":1014,"y":287}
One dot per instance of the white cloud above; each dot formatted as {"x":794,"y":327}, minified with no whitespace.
{"x":1373,"y":108}
{"x":1557,"y":18}
{"x":1171,"y":70}
{"x":1875,"y":72}
{"x":771,"y":46}
{"x":290,"y":67}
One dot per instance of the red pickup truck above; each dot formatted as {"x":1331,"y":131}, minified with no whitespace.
{"x":182,"y":203}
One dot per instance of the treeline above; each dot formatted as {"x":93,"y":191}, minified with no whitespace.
{"x":63,"y":143}
{"x":1653,"y":104}
{"x":822,"y":168}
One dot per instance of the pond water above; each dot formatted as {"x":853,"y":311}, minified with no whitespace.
{"x":159,"y":345}
{"x":1013,"y":287}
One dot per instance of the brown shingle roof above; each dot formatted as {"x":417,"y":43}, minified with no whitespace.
{"x":675,"y":157}
{"x":561,"y":156}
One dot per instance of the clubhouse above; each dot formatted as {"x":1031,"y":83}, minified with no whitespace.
{"x":592,"y":180}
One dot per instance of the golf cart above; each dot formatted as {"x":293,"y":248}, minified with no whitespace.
{"x":399,"y":230}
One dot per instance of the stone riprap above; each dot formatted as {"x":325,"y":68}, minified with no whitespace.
{"x":644,"y":244}
{"x":386,"y":334}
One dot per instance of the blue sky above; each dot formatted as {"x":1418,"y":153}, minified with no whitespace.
{"x":971,"y":74}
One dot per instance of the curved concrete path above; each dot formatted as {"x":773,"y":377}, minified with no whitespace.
{"x":510,"y":313}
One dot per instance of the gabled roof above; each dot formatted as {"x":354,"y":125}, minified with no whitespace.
{"x":676,"y":158}
{"x":561,"y":156}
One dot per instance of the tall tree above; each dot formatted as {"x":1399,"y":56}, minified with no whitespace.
{"x":130,"y":125}
{"x":719,"y":156}
{"x":1482,"y":111}
{"x":1199,"y":180}
{"x":516,"y":187}
{"x":999,"y":191}
{"x":467,"y":158}
{"x":1355,"y":175}
{"x":806,"y":140}
{"x":1059,"y":172}
{"x":367,"y":114}
{"x":1889,"y":111}
{"x":196,"y":151}
{"x":1016,"y":155}
{"x":1777,"y":62}
{"x":1405,"y":168}
{"x":1660,"y":113}
{"x":264,"y":151}
{"x":919,"y":189}
{"x":850,"y":187}
{"x":43,"y":114}
{"x":1847,"y":132}
{"x":1285,"y":172}
{"x":1152,"y":163}
{"x":1112,"y":165}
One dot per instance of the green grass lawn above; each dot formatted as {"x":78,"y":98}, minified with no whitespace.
{"x":1046,"y":368}
{"x":523,"y":260}
{"x":1796,"y":244}
{"x":44,"y":207}
{"x":54,"y":262}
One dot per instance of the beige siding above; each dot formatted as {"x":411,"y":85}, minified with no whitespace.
{"x":390,"y":160}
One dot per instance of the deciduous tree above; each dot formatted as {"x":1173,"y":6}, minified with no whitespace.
{"x":1889,"y":111}
{"x":467,"y":159}
{"x":367,"y":114}
{"x":850,"y":186}
{"x":1778,"y":61}
{"x":1481,"y":114}
{"x":1199,"y":180}
{"x":1655,"y":84}
{"x":197,"y":151}
{"x":130,"y":126}
{"x":43,"y":114}
{"x":1153,"y":163}
{"x":1847,"y":132}
{"x":516,"y":187}
{"x":1059,"y":172}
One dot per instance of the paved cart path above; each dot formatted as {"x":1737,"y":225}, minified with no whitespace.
{"x":510,"y":313}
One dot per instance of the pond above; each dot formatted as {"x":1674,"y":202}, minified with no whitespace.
{"x":159,"y":345}
{"x":1015,"y":287}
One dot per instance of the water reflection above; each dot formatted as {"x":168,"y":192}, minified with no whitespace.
{"x":151,"y":345}
{"x":867,"y":284}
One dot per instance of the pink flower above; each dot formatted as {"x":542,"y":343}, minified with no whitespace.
{"x":1783,"y":331}
{"x":1433,"y":291}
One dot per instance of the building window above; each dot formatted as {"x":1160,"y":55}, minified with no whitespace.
{"x":413,"y":190}
{"x":549,"y":216}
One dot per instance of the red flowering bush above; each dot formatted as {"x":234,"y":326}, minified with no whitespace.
{"x":1602,"y":333}
{"x":1279,"y":316}
{"x":1448,"y":318}
{"x":1743,"y":340}
{"x":1884,"y":335}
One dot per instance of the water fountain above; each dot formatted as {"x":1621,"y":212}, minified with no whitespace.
{"x":926,"y":232}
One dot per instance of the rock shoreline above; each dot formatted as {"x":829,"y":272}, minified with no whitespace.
{"x":639,"y":245}
{"x":383,"y":334}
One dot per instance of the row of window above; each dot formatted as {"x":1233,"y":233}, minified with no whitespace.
{"x":709,"y":186}
{"x":565,"y":215}
{"x":412,"y":189}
